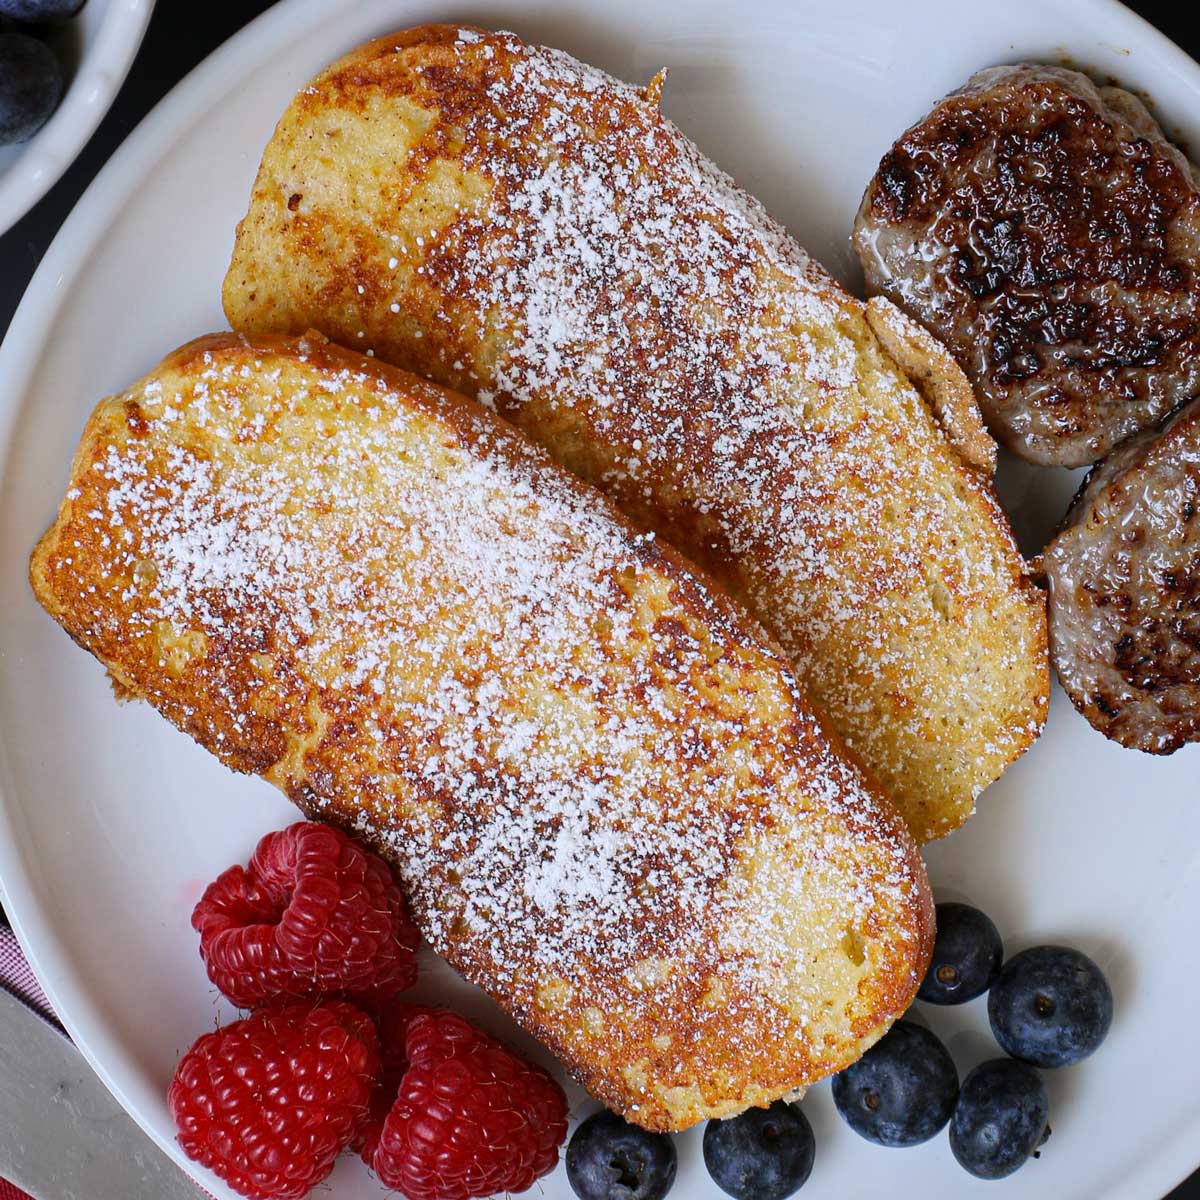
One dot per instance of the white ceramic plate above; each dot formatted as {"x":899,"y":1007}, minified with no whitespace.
{"x":111,"y":821}
{"x":104,"y":37}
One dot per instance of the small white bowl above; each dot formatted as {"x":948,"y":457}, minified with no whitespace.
{"x":107,"y":33}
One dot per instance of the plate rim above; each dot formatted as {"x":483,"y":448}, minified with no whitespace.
{"x":21,"y":349}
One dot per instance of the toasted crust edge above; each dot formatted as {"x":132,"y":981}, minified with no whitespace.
{"x":939,"y":380}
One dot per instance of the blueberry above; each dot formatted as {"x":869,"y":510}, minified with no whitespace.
{"x":902,"y":1091}
{"x":40,"y":10}
{"x":763,"y":1154}
{"x":1050,"y":1006}
{"x":609,"y":1159}
{"x":966,"y":956}
{"x":30,"y":86}
{"x":1000,"y":1119}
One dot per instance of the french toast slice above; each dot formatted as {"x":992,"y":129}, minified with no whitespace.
{"x":604,"y":791}
{"x":523,"y":228}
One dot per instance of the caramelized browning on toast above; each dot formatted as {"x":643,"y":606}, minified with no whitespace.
{"x":598,"y":779}
{"x":517,"y":225}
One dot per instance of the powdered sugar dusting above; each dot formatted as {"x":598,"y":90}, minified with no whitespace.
{"x":513,"y":696}
{"x":704,"y":345}
{"x":622,"y":300}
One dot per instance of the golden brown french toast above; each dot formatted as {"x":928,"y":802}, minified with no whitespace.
{"x":519,"y":226}
{"x":601,"y":784}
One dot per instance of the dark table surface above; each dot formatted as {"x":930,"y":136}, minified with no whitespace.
{"x":180,"y":35}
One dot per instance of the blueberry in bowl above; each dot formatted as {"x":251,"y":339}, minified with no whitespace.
{"x":967,"y":953}
{"x":1050,"y":1006}
{"x":761,"y":1154}
{"x":31,"y":85}
{"x":39,"y":11}
{"x":92,"y":54}
{"x":1001,"y":1118}
{"x":609,"y":1159}
{"x":902,"y":1091}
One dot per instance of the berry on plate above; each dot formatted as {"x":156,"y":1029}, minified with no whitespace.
{"x":1051,"y":1006}
{"x":393,"y":1029}
{"x":902,"y":1091}
{"x":31,"y":85}
{"x":461,"y":1115}
{"x":270,"y":1101}
{"x":761,"y":1154}
{"x":609,"y":1159}
{"x":1001,"y":1118}
{"x":966,"y":956}
{"x":313,"y":913}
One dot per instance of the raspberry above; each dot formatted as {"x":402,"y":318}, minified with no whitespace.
{"x":393,"y":1024}
{"x":236,"y":920}
{"x":469,"y":1117}
{"x":313,"y":913}
{"x":269,"y":1101}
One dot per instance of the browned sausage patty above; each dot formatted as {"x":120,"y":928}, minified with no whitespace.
{"x":1124,"y":576}
{"x":1049,"y":234}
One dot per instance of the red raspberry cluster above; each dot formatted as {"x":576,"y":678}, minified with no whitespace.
{"x":315,"y":936}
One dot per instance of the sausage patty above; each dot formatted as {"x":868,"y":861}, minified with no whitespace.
{"x":1124,"y":578}
{"x":1049,"y":234}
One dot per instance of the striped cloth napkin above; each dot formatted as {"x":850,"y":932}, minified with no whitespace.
{"x":17,"y":977}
